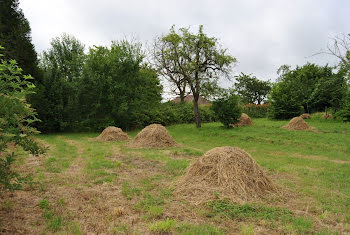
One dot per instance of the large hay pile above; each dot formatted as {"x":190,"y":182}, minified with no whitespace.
{"x":244,"y":120}
{"x":305,"y":116}
{"x":153,"y":136}
{"x":297,"y":123}
{"x":112,"y":133}
{"x":224,"y":172}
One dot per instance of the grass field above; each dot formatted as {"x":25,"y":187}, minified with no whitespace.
{"x":82,"y":186}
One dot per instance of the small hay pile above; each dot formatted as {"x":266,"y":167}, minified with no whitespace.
{"x":224,"y":172}
{"x":305,"y":116}
{"x":244,"y":120}
{"x":112,"y":133}
{"x":297,"y":123}
{"x":153,"y":136}
{"x":327,"y":116}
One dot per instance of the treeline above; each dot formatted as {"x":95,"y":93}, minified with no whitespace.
{"x":87,"y":90}
{"x":114,"y":85}
{"x":310,"y":88}
{"x":107,"y":86}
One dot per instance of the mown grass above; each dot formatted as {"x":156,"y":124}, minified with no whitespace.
{"x":314,"y":165}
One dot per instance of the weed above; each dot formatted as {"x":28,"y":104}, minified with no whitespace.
{"x":128,"y":191}
{"x":176,"y":166}
{"x":155,"y":211}
{"x":162,"y":226}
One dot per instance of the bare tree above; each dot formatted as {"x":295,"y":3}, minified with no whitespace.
{"x":339,"y":46}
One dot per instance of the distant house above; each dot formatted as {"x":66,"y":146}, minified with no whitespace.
{"x":189,"y":98}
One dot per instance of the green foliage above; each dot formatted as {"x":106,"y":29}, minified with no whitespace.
{"x":197,"y":59}
{"x":313,"y":87}
{"x":16,"y":116}
{"x":227,"y":110}
{"x":173,"y":113}
{"x":251,"y":89}
{"x":56,"y":98}
{"x":116,"y":88}
{"x":344,"y":113}
{"x":15,"y":37}
{"x":256,"y":110}
{"x":285,"y":103}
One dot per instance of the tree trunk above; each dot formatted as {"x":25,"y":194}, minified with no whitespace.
{"x":182,"y":96}
{"x":196,"y":110}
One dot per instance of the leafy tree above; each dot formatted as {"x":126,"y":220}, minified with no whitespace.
{"x":227,"y":110}
{"x":15,"y":37}
{"x":329,"y":91}
{"x":251,"y":89}
{"x":117,"y":88}
{"x":285,"y":103}
{"x":304,"y":80}
{"x":16,"y":116}
{"x":56,"y":98}
{"x":197,"y":59}
{"x":166,"y":67}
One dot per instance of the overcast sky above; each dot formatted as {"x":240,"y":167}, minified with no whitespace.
{"x":261,"y":34}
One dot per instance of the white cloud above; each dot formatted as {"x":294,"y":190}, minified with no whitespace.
{"x":262,"y":34}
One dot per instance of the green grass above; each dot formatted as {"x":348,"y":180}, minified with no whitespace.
{"x":305,"y":155}
{"x":260,"y":212}
{"x":314,"y":166}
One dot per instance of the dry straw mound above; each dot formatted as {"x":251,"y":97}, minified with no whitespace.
{"x":244,"y":120}
{"x":327,"y":116}
{"x":305,"y":116}
{"x":112,"y":133}
{"x":153,"y":136}
{"x":297,"y":123}
{"x":226,"y":172}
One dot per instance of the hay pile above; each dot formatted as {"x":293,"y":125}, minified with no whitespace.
{"x":226,"y":172}
{"x":305,"y":116}
{"x":112,"y":133}
{"x":153,"y":136}
{"x":327,"y":116}
{"x":244,"y":120}
{"x":297,"y":123}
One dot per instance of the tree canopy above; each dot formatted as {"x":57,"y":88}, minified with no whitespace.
{"x":251,"y":89}
{"x":197,"y":59}
{"x":15,"y":37}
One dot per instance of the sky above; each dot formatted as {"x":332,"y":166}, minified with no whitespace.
{"x":261,"y":34}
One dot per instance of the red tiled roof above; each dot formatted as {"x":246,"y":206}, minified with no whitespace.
{"x":189,"y":98}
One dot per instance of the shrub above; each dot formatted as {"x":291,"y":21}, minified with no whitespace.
{"x":344,"y":114}
{"x":285,"y":103}
{"x":256,"y":110}
{"x":16,"y":115}
{"x":175,"y":113}
{"x":227,"y":110}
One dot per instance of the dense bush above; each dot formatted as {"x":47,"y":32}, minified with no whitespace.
{"x":313,"y":87}
{"x":87,"y":92}
{"x":174,"y":113}
{"x":226,"y":109}
{"x":256,"y":110}
{"x":16,"y":115}
{"x":285,"y":103}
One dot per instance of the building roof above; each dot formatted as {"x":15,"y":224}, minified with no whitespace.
{"x":189,"y":98}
